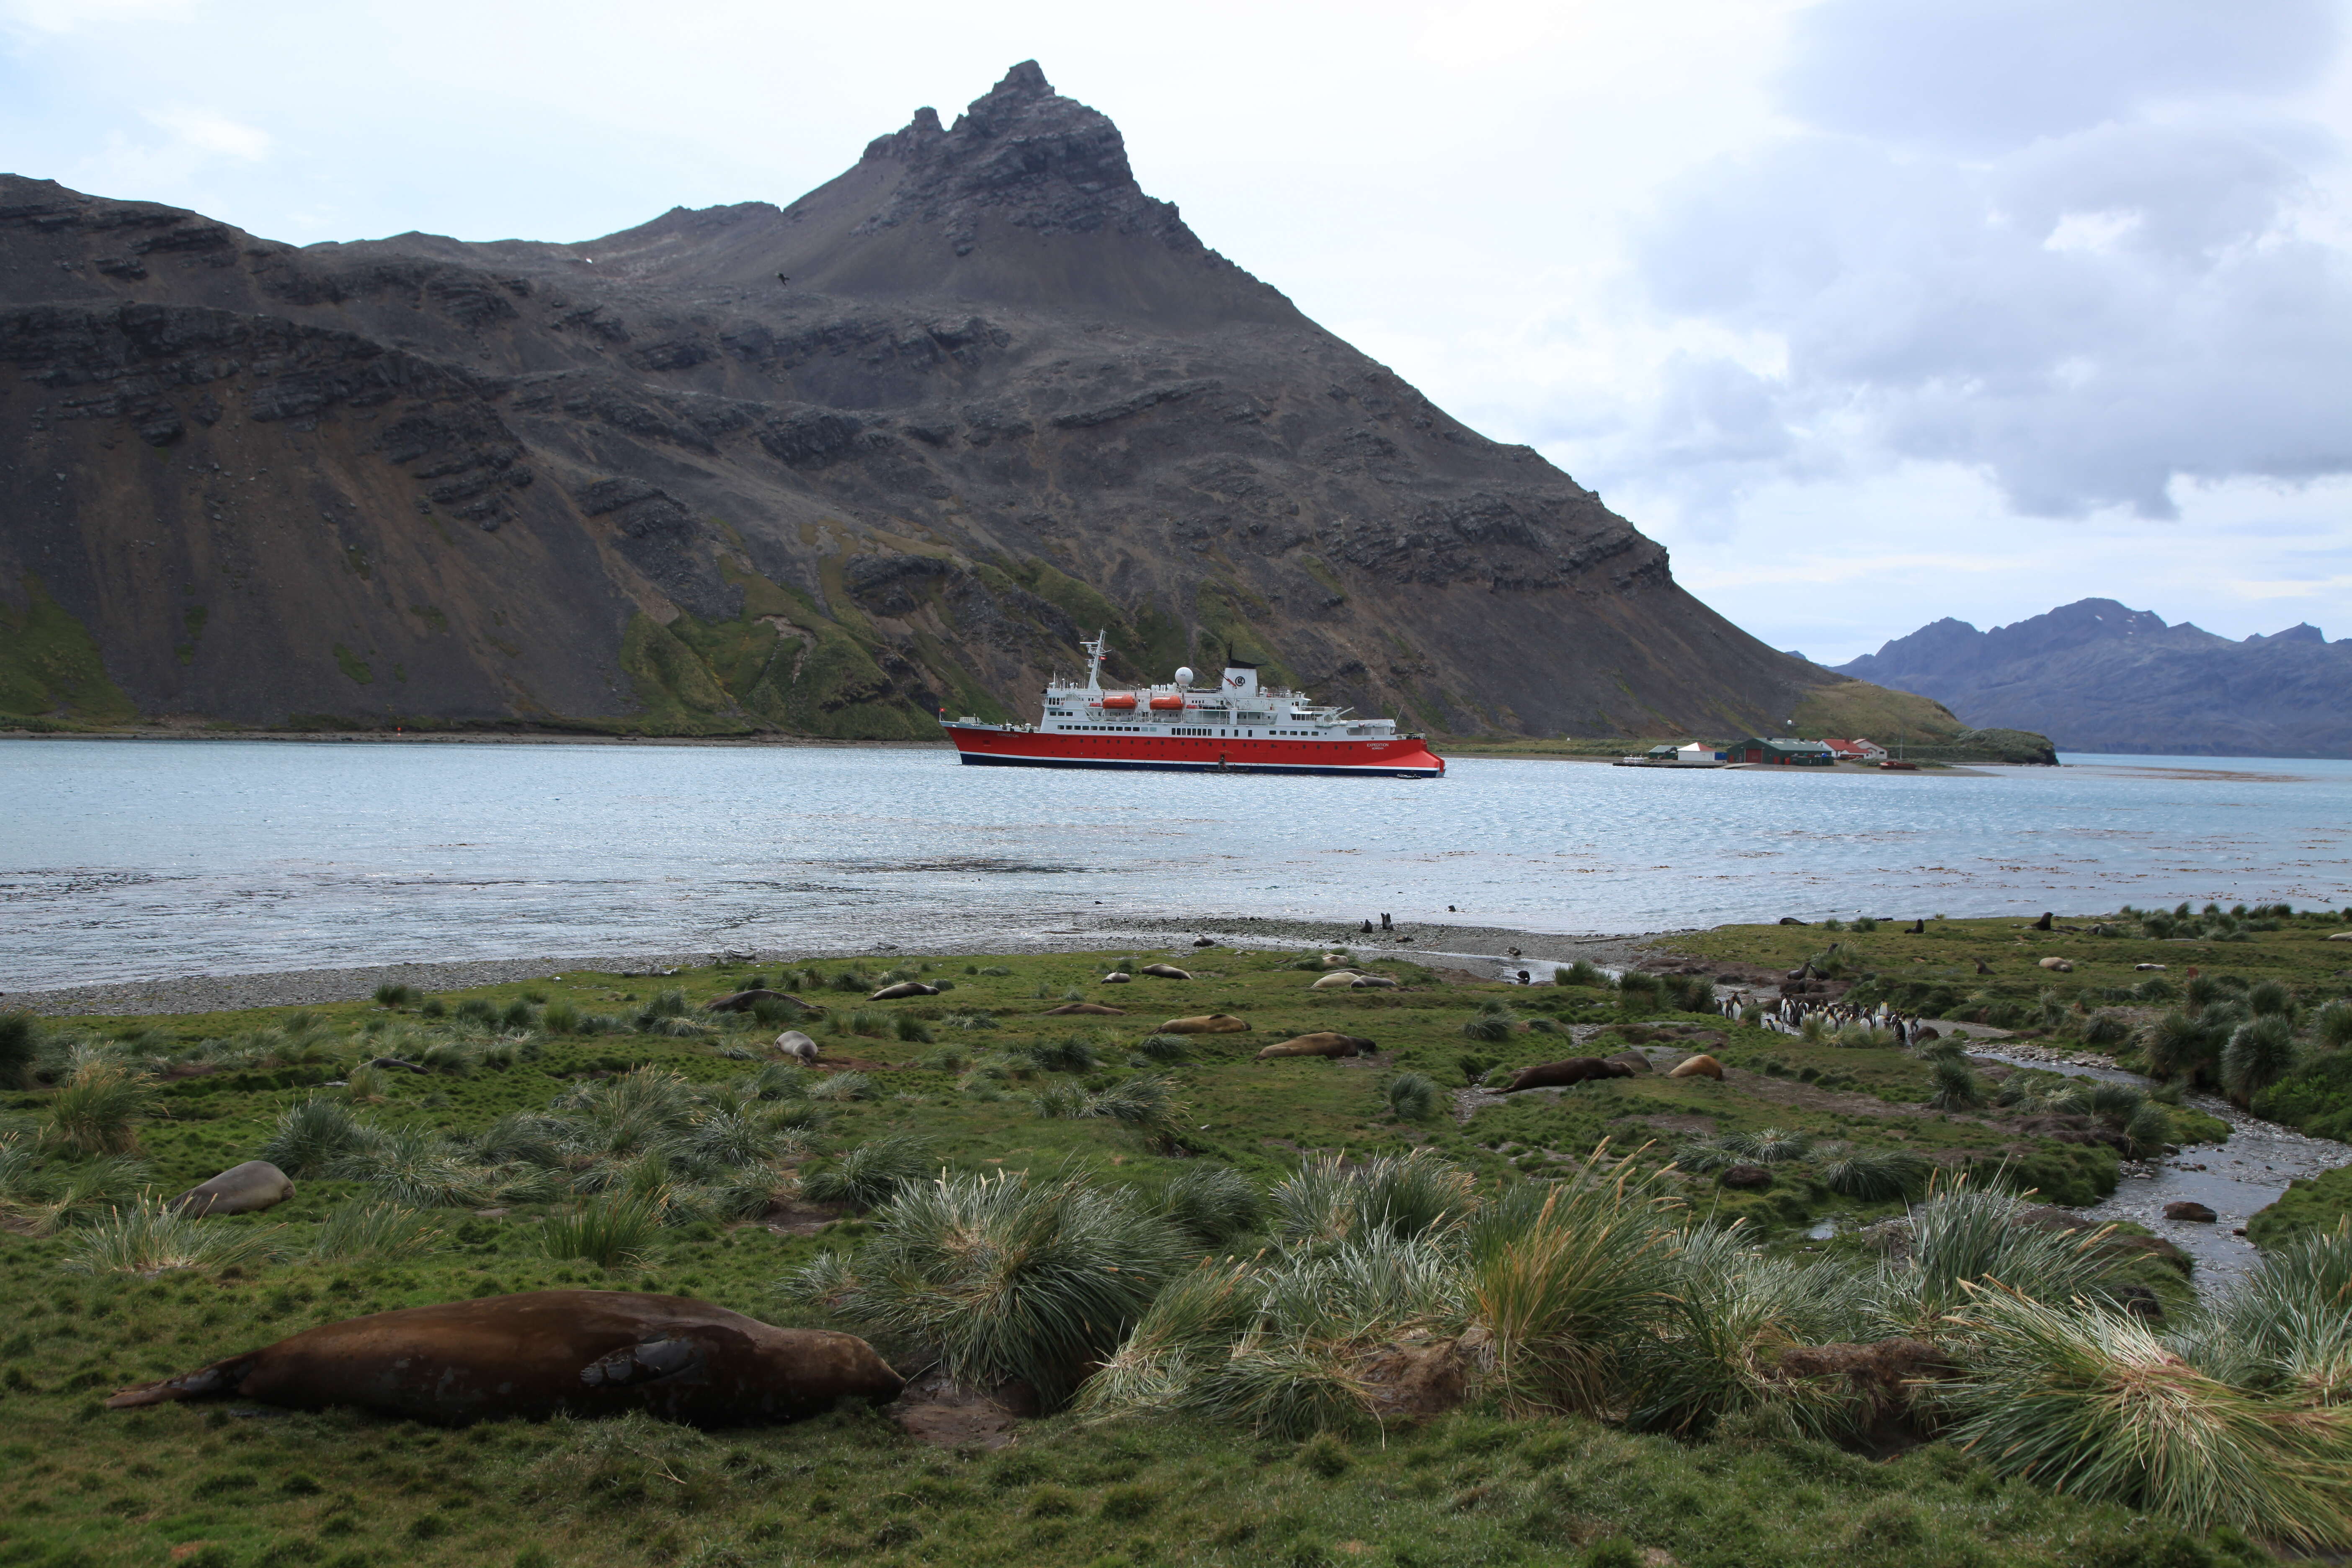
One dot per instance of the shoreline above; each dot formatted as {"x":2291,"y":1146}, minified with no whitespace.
{"x":1442,"y":945}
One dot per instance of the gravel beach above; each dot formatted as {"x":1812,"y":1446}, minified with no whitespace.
{"x":1483,"y":950}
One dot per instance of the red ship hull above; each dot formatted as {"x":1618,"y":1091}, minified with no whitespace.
{"x":1400,"y":757}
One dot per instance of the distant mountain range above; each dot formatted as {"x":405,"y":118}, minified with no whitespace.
{"x":823,"y":469}
{"x":2096,"y":676}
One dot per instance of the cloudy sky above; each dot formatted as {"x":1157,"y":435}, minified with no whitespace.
{"x":1875,"y":310}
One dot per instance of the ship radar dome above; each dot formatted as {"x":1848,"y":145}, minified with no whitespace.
{"x":1184,"y":676}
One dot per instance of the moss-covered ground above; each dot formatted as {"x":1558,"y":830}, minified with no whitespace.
{"x":225,"y":1484}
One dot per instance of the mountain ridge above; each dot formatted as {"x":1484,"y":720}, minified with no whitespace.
{"x":2097,"y":676}
{"x":645,"y":482}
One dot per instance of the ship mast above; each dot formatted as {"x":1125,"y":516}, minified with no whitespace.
{"x":1095,"y":658}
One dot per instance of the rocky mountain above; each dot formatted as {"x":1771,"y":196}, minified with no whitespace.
{"x":2096,"y":677}
{"x":824,"y":468}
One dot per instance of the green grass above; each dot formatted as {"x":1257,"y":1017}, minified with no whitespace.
{"x":1470,"y":1488}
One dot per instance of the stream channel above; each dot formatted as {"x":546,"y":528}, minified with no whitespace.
{"x":2236,"y":1178}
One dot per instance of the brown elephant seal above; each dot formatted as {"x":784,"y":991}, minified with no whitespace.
{"x":1378,"y":982}
{"x":904,"y":988}
{"x":1207,"y":1024}
{"x":241,"y":1189}
{"x":744,"y":1001}
{"x":1700,"y":1065}
{"x":793,"y":1043}
{"x":1096,"y":1008}
{"x":585,"y":1352}
{"x":1165,"y":972}
{"x":1322,"y":1044}
{"x":1560,"y":1074}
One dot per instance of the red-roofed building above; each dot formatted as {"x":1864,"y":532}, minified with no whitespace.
{"x":1856,"y":750}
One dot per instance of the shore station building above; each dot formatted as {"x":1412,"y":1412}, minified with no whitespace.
{"x":1856,"y":750}
{"x":1786,"y":753}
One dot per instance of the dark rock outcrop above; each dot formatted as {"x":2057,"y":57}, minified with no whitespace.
{"x":823,"y":467}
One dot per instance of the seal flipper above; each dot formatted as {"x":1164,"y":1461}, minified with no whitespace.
{"x":646,"y":1363}
{"x":218,"y":1381}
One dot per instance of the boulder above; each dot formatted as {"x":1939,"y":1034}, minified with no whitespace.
{"x":241,"y":1189}
{"x":2187,"y":1210}
{"x":1750,"y":1178}
{"x":1632,"y":1061}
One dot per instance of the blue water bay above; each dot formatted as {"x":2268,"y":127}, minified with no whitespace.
{"x":126,"y":859}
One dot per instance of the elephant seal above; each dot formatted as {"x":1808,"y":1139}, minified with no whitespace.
{"x":1322,"y":1044}
{"x":1338,"y":980}
{"x":744,"y":1001}
{"x":2062,"y":965}
{"x":241,"y":1189}
{"x":1632,"y":1061}
{"x":1574,"y":1071}
{"x":1700,"y":1065}
{"x":1117,"y":977}
{"x":1376,"y":982}
{"x":585,"y":1352}
{"x":793,"y":1043}
{"x":1207,"y":1024}
{"x":1165,"y":972}
{"x":904,"y":988}
{"x":1096,"y":1008}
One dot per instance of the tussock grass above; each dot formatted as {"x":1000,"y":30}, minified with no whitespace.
{"x":1211,"y":1203}
{"x":1413,"y":1096}
{"x":2090,"y":1401}
{"x":150,"y":1237}
{"x":312,"y":1134}
{"x":1329,"y":1199}
{"x":1963,"y":1238}
{"x":613,"y":1231}
{"x":40,"y":1195}
{"x":374,"y":1230}
{"x":96,"y":1111}
{"x":1005,"y":1277}
{"x":870,"y":1173}
{"x":19,"y":1047}
{"x":1874,"y":1175}
{"x":2261,"y":1051}
{"x":415,"y":1168}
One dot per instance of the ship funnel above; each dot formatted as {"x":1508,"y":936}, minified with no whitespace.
{"x":1241,"y":680}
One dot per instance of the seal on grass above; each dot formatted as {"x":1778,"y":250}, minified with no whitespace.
{"x":241,"y":1189}
{"x":1095,"y":1008}
{"x":583,"y":1353}
{"x":1165,"y":972}
{"x":904,"y":988}
{"x":1700,"y":1065}
{"x":1207,"y":1024}
{"x":1559,"y":1075}
{"x":1321,"y":1044}
{"x":744,"y":1001}
{"x":793,"y":1043}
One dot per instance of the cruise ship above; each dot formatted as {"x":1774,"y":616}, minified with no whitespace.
{"x":1236,"y":726}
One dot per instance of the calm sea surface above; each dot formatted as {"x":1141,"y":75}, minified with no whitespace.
{"x":137,"y":860}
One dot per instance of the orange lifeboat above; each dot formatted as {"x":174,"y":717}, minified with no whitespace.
{"x":1122,"y":700}
{"x":1166,"y":704}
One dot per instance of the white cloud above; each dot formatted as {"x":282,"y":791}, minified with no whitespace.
{"x":202,"y":131}
{"x":71,"y":16}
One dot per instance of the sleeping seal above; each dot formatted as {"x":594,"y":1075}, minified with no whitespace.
{"x":904,"y":988}
{"x":1165,"y":972}
{"x":1557,"y":1075}
{"x":1321,"y":1044}
{"x":1093,"y":1009}
{"x":1207,"y":1024}
{"x":241,"y":1189}
{"x":585,"y":1352}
